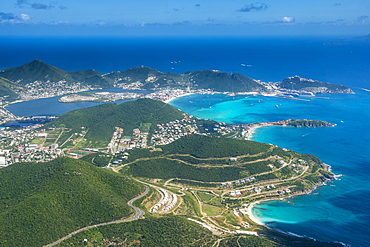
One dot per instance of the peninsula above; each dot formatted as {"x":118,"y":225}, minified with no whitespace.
{"x":203,"y":175}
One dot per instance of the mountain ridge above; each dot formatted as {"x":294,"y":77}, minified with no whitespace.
{"x":149,"y":78}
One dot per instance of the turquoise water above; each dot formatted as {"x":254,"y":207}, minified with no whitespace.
{"x":330,"y":212}
{"x":337,"y":212}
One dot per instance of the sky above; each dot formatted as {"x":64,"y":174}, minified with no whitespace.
{"x":183,"y":17}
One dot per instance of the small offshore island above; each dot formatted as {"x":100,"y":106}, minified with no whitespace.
{"x":201,"y":176}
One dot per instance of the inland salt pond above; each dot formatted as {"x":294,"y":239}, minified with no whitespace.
{"x":52,"y":107}
{"x":330,"y":212}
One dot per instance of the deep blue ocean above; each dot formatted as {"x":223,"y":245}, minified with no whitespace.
{"x":339,"y":211}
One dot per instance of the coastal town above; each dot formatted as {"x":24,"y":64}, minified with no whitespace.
{"x":38,"y":89}
{"x":28,"y":144}
{"x":218,"y":189}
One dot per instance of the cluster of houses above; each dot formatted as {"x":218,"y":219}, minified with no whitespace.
{"x":38,"y":89}
{"x":282,"y":192}
{"x":237,"y":182}
{"x":129,"y":86}
{"x":169,"y":132}
{"x":256,"y":190}
{"x":120,"y":143}
{"x":164,"y":201}
{"x":167,"y":94}
{"x":16,"y":146}
{"x":235,"y":193}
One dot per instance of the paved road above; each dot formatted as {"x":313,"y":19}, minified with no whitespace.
{"x":138,"y":214}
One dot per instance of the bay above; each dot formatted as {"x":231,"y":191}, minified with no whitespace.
{"x":337,"y":212}
{"x":330,"y":212}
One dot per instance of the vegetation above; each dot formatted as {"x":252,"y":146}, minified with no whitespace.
{"x":282,"y":239}
{"x":40,"y":71}
{"x":7,"y":89}
{"x":98,"y":159}
{"x":102,"y":119}
{"x":41,"y":202}
{"x":195,"y":160}
{"x":307,"y":123}
{"x":151,"y":78}
{"x":224,"y":82}
{"x":216,"y":80}
{"x":298,"y":83}
{"x":206,"y":147}
{"x":164,"y":168}
{"x":164,"y":231}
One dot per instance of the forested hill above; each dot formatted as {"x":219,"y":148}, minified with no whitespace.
{"x":201,"y":146}
{"x":40,"y":71}
{"x":41,"y":202}
{"x":309,"y":85}
{"x":224,"y":82}
{"x":101,"y":120}
{"x":148,"y":77}
{"x":204,"y":79}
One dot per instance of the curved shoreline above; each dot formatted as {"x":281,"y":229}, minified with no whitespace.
{"x":250,"y":214}
{"x":176,"y":97}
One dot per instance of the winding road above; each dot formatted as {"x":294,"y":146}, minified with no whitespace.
{"x":138,"y":214}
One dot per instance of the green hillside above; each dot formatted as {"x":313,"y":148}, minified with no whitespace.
{"x":205,"y":79}
{"x":164,"y":231}
{"x":206,"y":147}
{"x":102,"y":119}
{"x":40,"y":71}
{"x":212,"y":159}
{"x":41,"y":202}
{"x":179,"y":231}
{"x":7,"y":89}
{"x":224,"y":82}
{"x":299,"y":83}
{"x":150,"y":78}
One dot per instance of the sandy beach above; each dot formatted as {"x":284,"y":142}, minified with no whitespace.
{"x":177,"y":96}
{"x":252,"y":131}
{"x":250,"y":214}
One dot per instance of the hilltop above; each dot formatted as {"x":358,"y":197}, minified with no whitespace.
{"x":204,"y":79}
{"x":100,"y":121}
{"x":148,"y":78}
{"x":40,"y":79}
{"x":314,"y":86}
{"x":211,"y":159}
{"x":43,"y":72}
{"x":42,"y":202}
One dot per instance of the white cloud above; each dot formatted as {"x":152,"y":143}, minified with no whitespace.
{"x":287,"y":19}
{"x":25,"y":17}
{"x":10,"y":18}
